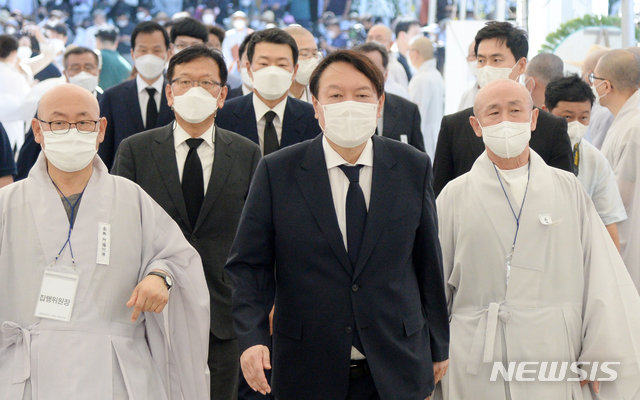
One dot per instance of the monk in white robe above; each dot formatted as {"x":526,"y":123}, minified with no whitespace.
{"x":616,"y":79}
{"x":554,"y":289}
{"x":115,"y":343}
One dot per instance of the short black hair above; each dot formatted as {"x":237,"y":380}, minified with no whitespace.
{"x":79,"y":50}
{"x":148,"y":27}
{"x":571,"y":88}
{"x":8,"y":44}
{"x":108,"y":34}
{"x":217,"y":31}
{"x":515,"y":38}
{"x":244,"y":44}
{"x":359,"y":62}
{"x":59,"y":28}
{"x":272,"y":35}
{"x":198,"y":51}
{"x":371,"y":47}
{"x":191,"y":27}
{"x":403,"y":25}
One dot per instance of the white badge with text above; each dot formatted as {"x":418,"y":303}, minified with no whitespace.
{"x":404,"y":139}
{"x":57,"y":295}
{"x":104,"y":243}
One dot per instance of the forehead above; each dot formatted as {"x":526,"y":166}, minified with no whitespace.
{"x":492,"y":46}
{"x":188,"y":39}
{"x":150,"y":39}
{"x":572,"y":106}
{"x":376,"y":58}
{"x":202,"y":66}
{"x":305,"y":41}
{"x":378,"y":34}
{"x":503,"y":96}
{"x":68,"y":106}
{"x":343,"y":76}
{"x":84,"y":58}
{"x":272,"y":50}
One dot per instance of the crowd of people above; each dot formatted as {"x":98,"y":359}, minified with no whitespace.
{"x":258,"y":212}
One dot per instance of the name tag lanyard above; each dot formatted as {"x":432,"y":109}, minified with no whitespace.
{"x":72,"y":220}
{"x":516,"y":217}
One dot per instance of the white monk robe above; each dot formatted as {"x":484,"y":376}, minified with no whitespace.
{"x":569,"y":296}
{"x":100,"y":353}
{"x":622,"y":148}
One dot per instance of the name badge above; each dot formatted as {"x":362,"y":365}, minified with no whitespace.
{"x":57,"y":295}
{"x":104,"y":243}
{"x":404,"y":139}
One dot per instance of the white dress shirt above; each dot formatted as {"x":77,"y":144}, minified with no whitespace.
{"x":261,"y":109}
{"x":143,"y":95}
{"x":340,"y":185}
{"x":205,"y":150}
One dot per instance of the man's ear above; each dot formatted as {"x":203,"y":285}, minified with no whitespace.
{"x":169,"y":94}
{"x":37,"y":132}
{"x":534,"y":118}
{"x":475,"y":124}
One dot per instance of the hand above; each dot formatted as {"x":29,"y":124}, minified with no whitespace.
{"x":151,"y":294}
{"x":439,"y":369}
{"x":254,"y":361}
{"x":595,"y":385}
{"x":235,"y":52}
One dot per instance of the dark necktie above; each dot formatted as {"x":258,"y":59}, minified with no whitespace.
{"x":270,"y":137}
{"x":192,"y":181}
{"x":152,"y":109}
{"x":356,"y":210}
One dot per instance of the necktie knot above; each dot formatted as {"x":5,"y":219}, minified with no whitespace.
{"x":151,"y":91}
{"x":269,"y":116}
{"x":352,"y":172}
{"x":194,"y":143}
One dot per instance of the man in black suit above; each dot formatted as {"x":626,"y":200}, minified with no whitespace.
{"x":268,"y":116}
{"x":138,"y":104}
{"x":501,"y":50}
{"x":400,"y":117}
{"x":340,"y":233}
{"x":200,"y":174}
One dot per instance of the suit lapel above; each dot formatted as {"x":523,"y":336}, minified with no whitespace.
{"x":390,"y":119}
{"x":222,"y":163}
{"x":166,"y":114}
{"x":290,"y":126}
{"x":164,"y":155}
{"x":246,"y":117}
{"x":313,"y":180}
{"x":133,"y":105}
{"x":383,"y":187}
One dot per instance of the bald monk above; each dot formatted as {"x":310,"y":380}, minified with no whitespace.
{"x":397,"y":80}
{"x":531,"y":274}
{"x":601,"y":118}
{"x":308,"y":60}
{"x":88,"y":263}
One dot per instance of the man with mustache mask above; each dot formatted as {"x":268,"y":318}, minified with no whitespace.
{"x":339,"y":232}
{"x":308,"y":60}
{"x":268,"y":116}
{"x":530,"y":272}
{"x":138,"y":104}
{"x":200,"y":174}
{"x":501,"y":50}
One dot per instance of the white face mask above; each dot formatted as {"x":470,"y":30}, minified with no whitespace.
{"x":488,"y":74}
{"x":350,"y":123}
{"x":239,"y":24}
{"x":141,"y":16}
{"x":576,"y":132}
{"x":272,"y":82}
{"x":305,"y":68}
{"x":149,"y":66}
{"x":246,"y":79}
{"x":195,"y":105}
{"x":24,"y":53}
{"x":507,"y":139}
{"x":71,"y":151}
{"x":208,"y":19}
{"x":85,"y":80}
{"x":594,"y":89}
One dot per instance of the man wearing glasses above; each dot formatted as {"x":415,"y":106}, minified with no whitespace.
{"x":308,"y":60}
{"x":88,"y":262}
{"x":200,"y":174}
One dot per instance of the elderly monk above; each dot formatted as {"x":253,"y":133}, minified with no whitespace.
{"x":88,"y":261}
{"x":531,"y":274}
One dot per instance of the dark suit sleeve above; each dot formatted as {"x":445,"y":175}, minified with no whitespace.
{"x":561,"y":153}
{"x":105,"y":151}
{"x":124,"y":163}
{"x":442,"y":161}
{"x":427,"y":258}
{"x":250,"y":265}
{"x":417,"y":140}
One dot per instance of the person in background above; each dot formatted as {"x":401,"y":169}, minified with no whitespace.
{"x":335,"y":38}
{"x":601,"y":117}
{"x":406,"y":31}
{"x":426,"y":89}
{"x":247,"y":85}
{"x":126,"y":27}
{"x":187,"y":32}
{"x":308,"y":60}
{"x":230,"y":48}
{"x":397,"y":77}
{"x":542,"y":69}
{"x":7,"y":164}
{"x":114,"y":68}
{"x":469,"y":95}
{"x":216,"y":37}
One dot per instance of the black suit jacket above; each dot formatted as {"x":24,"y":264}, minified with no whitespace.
{"x":289,"y":238}
{"x":402,"y":117}
{"x":149,"y":159}
{"x":121,"y":108}
{"x":235,"y":92}
{"x":458,"y":146}
{"x":299,"y":122}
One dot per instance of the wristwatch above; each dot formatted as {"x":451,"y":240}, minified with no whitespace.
{"x":167,"y":279}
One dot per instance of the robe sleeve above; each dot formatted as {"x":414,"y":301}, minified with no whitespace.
{"x":445,"y":204}
{"x":178,"y":337}
{"x":611,"y":308}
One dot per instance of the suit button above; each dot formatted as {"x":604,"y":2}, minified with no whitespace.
{"x":347,"y":329}
{"x":355,"y":288}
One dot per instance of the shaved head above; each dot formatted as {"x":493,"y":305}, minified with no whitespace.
{"x":424,"y":47}
{"x":590,"y":62}
{"x":500,"y":90}
{"x":621,"y":68}
{"x":297,"y":30}
{"x":545,"y":67}
{"x":69,"y":100}
{"x":381,"y":34}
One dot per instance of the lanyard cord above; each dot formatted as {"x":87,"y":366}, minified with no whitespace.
{"x":517,"y":218}
{"x":72,"y":220}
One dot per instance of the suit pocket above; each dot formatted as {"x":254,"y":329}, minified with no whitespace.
{"x":413,"y":324}
{"x":291,"y":328}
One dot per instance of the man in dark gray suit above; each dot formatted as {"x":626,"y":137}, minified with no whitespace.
{"x":200,"y":174}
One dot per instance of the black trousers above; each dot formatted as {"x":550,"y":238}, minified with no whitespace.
{"x":362,"y":388}
{"x":224,"y":364}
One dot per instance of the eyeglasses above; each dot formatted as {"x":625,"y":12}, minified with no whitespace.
{"x":593,"y":77}
{"x":62,"y":127}
{"x":187,"y":84}
{"x":304,"y":54}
